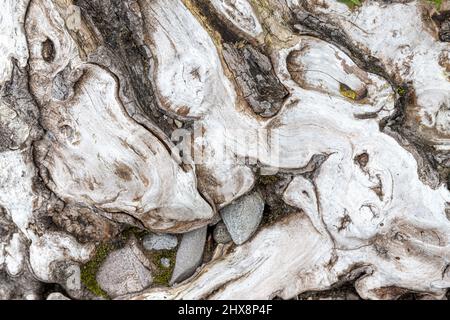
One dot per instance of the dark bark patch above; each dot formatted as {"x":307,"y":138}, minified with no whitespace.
{"x":442,"y":20}
{"x":362,"y":159}
{"x":255,"y":77}
{"x":48,"y":51}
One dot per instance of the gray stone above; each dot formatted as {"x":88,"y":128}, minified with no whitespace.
{"x":165,"y":262}
{"x":221,"y":234}
{"x":155,"y":241}
{"x":57,"y":296}
{"x":124,"y":272}
{"x":189,"y":255}
{"x":242,"y":217}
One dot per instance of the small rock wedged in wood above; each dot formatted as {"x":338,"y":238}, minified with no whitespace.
{"x":154,"y":241}
{"x":165,"y":262}
{"x":124,"y":272}
{"x":221,"y":234}
{"x":189,"y":255}
{"x":242,"y":217}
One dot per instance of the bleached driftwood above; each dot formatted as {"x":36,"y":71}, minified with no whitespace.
{"x":363,"y":89}
{"x":94,"y":152}
{"x":239,"y":15}
{"x":373,"y":211}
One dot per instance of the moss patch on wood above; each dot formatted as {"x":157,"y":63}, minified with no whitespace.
{"x":267,"y":180}
{"x":89,"y":270}
{"x":401,"y":91}
{"x":437,"y":3}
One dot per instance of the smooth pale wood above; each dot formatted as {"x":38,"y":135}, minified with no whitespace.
{"x":239,"y":15}
{"x":377,"y":214}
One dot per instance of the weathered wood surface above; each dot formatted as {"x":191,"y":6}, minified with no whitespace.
{"x":157,"y":114}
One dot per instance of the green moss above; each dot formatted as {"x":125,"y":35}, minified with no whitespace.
{"x":89,"y":270}
{"x":437,"y":3}
{"x":401,"y":91}
{"x":267,"y":180}
{"x":162,"y":275}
